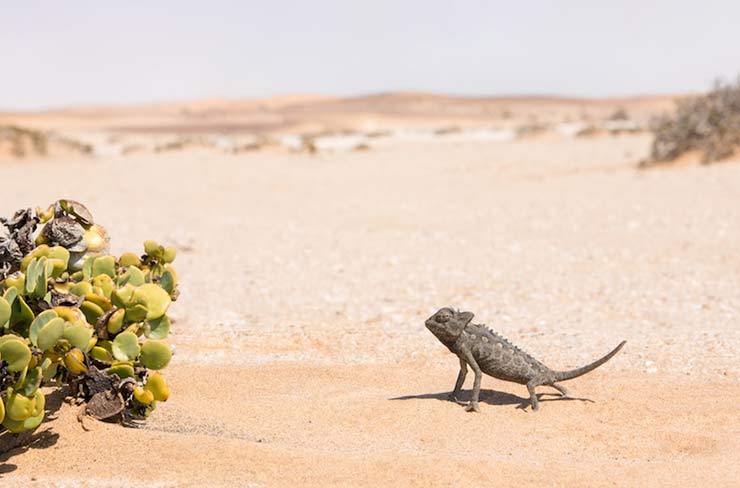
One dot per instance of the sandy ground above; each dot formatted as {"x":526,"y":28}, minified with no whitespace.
{"x":302,"y":358}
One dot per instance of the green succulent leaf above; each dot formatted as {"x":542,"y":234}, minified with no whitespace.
{"x":122,"y":370}
{"x":78,"y":335}
{"x":105,"y":283}
{"x":133,"y":276}
{"x":31,"y":382}
{"x":87,"y":267}
{"x":126,"y":346}
{"x":154,"y":298}
{"x":101,"y":354}
{"x":55,"y":267}
{"x":15,"y":353}
{"x":98,"y":299}
{"x":169,"y":254}
{"x":158,"y":328}
{"x":129,"y":259}
{"x":152,"y":248}
{"x":17,"y":280}
{"x":104,"y":265}
{"x":50,"y":333}
{"x":18,"y":407}
{"x":81,"y":289}
{"x":167,"y":281}
{"x":155,"y":354}
{"x":10,"y":295}
{"x":49,"y":369}
{"x":4,"y":312}
{"x":136,"y":313}
{"x":91,"y":310}
{"x":38,"y":323}
{"x":32,"y":276}
{"x":37,"y":277}
{"x":123,"y":297}
{"x":20,"y":404}
{"x":58,"y":252}
{"x":115,"y":321}
{"x":21,"y":315}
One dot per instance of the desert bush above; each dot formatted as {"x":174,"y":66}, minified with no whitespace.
{"x":619,"y":114}
{"x":528,"y":130}
{"x":73,"y":315}
{"x":23,"y":142}
{"x":708,"y":123}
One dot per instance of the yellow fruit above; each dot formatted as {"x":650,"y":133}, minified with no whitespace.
{"x":158,"y":386}
{"x":19,"y":407}
{"x":143,"y":396}
{"x":74,"y":361}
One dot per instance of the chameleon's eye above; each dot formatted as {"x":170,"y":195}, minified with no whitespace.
{"x":442,"y":318}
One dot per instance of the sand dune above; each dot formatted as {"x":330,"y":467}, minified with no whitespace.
{"x":294,"y":113}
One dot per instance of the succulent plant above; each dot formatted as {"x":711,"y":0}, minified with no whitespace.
{"x":70,"y":313}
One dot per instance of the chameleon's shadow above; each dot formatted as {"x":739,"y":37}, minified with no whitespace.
{"x":493,"y":397}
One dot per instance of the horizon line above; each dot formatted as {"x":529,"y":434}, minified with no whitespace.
{"x":335,"y":97}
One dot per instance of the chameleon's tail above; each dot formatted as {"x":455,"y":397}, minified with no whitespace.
{"x":575,"y":373}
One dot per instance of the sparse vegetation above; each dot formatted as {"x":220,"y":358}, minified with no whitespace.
{"x":452,"y":129}
{"x":619,"y":114}
{"x":529,"y":130}
{"x":588,"y":130}
{"x":21,"y":142}
{"x":709,"y":124}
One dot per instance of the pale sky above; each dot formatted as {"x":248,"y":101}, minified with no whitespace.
{"x":58,"y":53}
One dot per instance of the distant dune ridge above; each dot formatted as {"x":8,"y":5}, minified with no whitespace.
{"x":314,"y":122}
{"x":284,"y":113}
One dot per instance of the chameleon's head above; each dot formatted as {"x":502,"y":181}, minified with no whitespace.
{"x":447,"y":324}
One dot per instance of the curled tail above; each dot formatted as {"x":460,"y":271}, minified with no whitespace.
{"x":575,"y":373}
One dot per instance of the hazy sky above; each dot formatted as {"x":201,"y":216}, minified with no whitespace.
{"x":55,"y":53}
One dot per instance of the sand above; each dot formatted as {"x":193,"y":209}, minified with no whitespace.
{"x":301,"y":355}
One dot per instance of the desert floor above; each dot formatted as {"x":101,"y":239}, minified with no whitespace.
{"x":302,"y":358}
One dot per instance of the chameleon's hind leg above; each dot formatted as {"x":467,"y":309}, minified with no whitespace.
{"x":459,"y":383}
{"x":532,"y":395}
{"x":561,"y":389}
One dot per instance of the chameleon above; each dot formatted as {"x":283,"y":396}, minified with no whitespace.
{"x":488,"y":352}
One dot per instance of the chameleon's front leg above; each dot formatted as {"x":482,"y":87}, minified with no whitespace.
{"x":459,"y":383}
{"x":473,"y":405}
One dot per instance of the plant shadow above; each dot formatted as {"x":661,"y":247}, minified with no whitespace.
{"x":14,"y":444}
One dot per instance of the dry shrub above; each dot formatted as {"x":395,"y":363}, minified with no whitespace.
{"x":708,"y":123}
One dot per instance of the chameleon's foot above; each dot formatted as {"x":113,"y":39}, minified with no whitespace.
{"x":472,"y":407}
{"x":532,"y":395}
{"x":563,"y":390}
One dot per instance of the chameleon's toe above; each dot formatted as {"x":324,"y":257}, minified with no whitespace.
{"x":472,"y":407}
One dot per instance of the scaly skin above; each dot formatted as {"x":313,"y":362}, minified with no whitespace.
{"x":487,"y":352}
